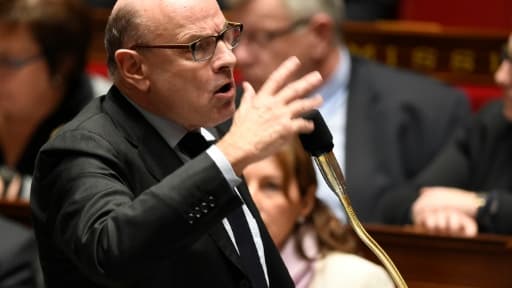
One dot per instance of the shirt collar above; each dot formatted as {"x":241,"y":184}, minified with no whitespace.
{"x":171,"y":131}
{"x":339,"y":79}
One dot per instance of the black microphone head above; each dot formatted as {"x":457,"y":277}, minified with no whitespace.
{"x":319,"y":141}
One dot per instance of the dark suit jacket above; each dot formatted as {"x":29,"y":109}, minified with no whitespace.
{"x":397,"y":122}
{"x":480,"y":159}
{"x":17,"y":256}
{"x":114,"y":206}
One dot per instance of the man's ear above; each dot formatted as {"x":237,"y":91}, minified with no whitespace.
{"x":322,"y":27}
{"x":131,"y":68}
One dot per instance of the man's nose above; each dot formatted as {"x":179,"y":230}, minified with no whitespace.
{"x":224,"y":55}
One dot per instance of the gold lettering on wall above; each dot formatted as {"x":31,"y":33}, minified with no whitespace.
{"x":462,"y":60}
{"x":364,"y":50}
{"x":424,"y":58}
{"x":391,"y":57}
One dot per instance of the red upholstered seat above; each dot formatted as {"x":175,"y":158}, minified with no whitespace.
{"x":493,"y":14}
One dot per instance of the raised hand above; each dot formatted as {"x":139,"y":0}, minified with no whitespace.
{"x":269,"y":118}
{"x":10,"y":184}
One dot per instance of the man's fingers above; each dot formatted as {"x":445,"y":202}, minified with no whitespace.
{"x":248,"y":94}
{"x":301,"y":87}
{"x":280,"y":76}
{"x":301,"y":107}
{"x":13,"y":190}
{"x":470,"y":227}
{"x":455,"y":222}
{"x":2,"y":188}
{"x":301,"y":125}
{"x":441,"y":221}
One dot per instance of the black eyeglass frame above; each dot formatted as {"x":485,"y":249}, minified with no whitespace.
{"x":505,"y":54}
{"x":271,"y":35}
{"x":265,"y":37}
{"x":192,"y":45}
{"x":17,"y":63}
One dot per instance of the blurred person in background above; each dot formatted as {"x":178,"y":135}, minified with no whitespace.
{"x":43,"y":49}
{"x":468,"y":188}
{"x":316,"y":248}
{"x":387,"y":124}
{"x":43,"y":52}
{"x":123,"y":195}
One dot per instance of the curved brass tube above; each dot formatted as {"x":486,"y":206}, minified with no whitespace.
{"x":336,"y":181}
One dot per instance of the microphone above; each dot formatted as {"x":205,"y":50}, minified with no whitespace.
{"x":319,"y":144}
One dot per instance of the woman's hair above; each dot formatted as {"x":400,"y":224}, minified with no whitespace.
{"x":61,"y":28}
{"x":297,"y":165}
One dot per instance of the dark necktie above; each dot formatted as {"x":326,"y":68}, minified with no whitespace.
{"x":192,"y":144}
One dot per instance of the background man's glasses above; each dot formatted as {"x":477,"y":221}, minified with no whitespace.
{"x":261,"y":38}
{"x":14,"y":63}
{"x":203,"y":49}
{"x":505,"y":55}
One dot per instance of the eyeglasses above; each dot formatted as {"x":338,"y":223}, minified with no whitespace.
{"x":505,"y":55}
{"x":203,"y":49}
{"x":261,"y":38}
{"x":13,"y":63}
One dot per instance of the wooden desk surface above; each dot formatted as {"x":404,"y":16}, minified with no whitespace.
{"x":424,"y":260}
{"x":429,"y":261}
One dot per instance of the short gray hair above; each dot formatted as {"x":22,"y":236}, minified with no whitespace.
{"x":304,"y":9}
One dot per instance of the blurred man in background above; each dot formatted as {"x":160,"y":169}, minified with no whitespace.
{"x":387,"y":123}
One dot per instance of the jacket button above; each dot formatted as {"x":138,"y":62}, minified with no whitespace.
{"x":204,"y":207}
{"x":190,"y":217}
{"x":197,"y":212}
{"x":211,"y":201}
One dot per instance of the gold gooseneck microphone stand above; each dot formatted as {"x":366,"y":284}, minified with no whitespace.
{"x":319,"y":144}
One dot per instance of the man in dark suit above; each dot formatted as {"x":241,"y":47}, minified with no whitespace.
{"x":468,"y":188}
{"x":387,"y":123}
{"x":123,"y":196}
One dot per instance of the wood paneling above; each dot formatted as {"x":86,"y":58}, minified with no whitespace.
{"x":455,"y":55}
{"x":428,"y":260}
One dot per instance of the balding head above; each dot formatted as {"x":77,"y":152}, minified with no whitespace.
{"x":135,"y":21}
{"x":124,"y":25}
{"x":301,"y":9}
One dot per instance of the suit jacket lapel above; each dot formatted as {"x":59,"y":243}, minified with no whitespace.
{"x":360,"y":136}
{"x":150,"y":144}
{"x":159,"y":158}
{"x":222,"y":238}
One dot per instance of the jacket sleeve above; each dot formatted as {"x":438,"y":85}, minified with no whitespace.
{"x":81,"y":191}
{"x":450,"y":168}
